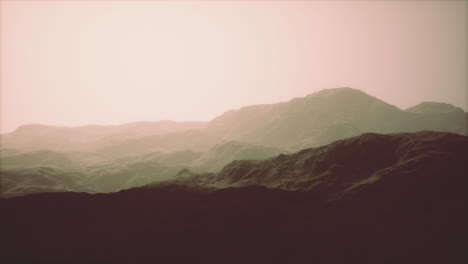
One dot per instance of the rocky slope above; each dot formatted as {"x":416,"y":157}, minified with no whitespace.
{"x":348,"y":165}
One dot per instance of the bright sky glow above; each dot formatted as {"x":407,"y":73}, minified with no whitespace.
{"x":73,"y":63}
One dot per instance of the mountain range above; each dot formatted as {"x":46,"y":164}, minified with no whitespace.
{"x":112,"y":158}
{"x":309,"y":121}
{"x":337,"y":176}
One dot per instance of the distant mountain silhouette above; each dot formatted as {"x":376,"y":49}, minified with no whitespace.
{"x":435,"y":116}
{"x":310,"y":121}
{"x":87,"y":138}
{"x":397,"y":198}
{"x":323,"y":117}
{"x":48,"y":158}
{"x":435,"y":108}
{"x":316,"y":119}
{"x":130,"y":155}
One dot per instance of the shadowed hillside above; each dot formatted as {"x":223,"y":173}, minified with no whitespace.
{"x":369,"y":199}
{"x":348,"y":165}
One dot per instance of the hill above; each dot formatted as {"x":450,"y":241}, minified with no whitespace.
{"x":348,"y":165}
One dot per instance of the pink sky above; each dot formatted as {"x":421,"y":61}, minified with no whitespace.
{"x":73,"y":63}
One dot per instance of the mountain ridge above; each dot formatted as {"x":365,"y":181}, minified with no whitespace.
{"x":433,"y":108}
{"x":130,"y":155}
{"x":344,"y":165}
{"x":315,"y":119}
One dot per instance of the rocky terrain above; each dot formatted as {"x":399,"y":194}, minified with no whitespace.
{"x":347,"y":165}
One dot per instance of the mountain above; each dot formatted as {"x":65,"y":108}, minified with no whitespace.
{"x":103,"y":178}
{"x":315,"y":119}
{"x":396,"y":198}
{"x":112,"y":175}
{"x":310,"y":121}
{"x":130,"y":155}
{"x":238,"y":164}
{"x":348,"y":165}
{"x":43,"y":171}
{"x":439,"y":117}
{"x":47,"y":158}
{"x":323,"y":117}
{"x":120,"y":175}
{"x":129,"y":172}
{"x":435,"y":108}
{"x":22,"y":181}
{"x":87,"y":138}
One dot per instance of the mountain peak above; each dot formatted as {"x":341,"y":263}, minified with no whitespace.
{"x":335,"y":91}
{"x":434,"y":108}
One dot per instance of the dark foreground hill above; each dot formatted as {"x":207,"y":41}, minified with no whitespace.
{"x":414,"y":213}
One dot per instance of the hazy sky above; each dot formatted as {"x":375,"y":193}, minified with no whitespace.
{"x":107,"y":62}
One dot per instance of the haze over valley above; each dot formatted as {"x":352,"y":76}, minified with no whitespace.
{"x":367,"y":176}
{"x":112,"y":158}
{"x":233,"y":132}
